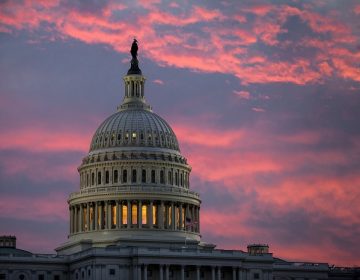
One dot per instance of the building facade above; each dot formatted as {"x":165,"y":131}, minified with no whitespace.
{"x":136,"y":217}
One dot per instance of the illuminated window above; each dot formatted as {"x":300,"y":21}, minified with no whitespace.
{"x":124,"y":214}
{"x":116,"y":176}
{"x":154,"y":213}
{"x":107,"y":177}
{"x":91,"y":215}
{"x":183,"y":217}
{"x":126,"y":136}
{"x":133,"y":177}
{"x":98,"y":217}
{"x":143,"y":176}
{"x":99,"y":178}
{"x":162,"y":179}
{"x":134,"y":214}
{"x":169,"y":216}
{"x":133,"y":135}
{"x":84,"y":225}
{"x":113,"y":216}
{"x":124,"y":179}
{"x":144,"y":219}
{"x":153,"y":176}
{"x":177,"y":215}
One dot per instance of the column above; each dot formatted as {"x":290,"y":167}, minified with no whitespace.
{"x":71,"y":219}
{"x":161,"y":215}
{"x":181,"y":217}
{"x":128,"y":214}
{"x":234,"y":273}
{"x":198,"y":219}
{"x":270,"y":275}
{"x":96,"y":226}
{"x":197,"y":272}
{"x":81,"y":218}
{"x":161,"y":273}
{"x":219,"y":273}
{"x":145,"y":272}
{"x":173,"y":218}
{"x":193,"y":217}
{"x":150,"y":212}
{"x":88,"y":216}
{"x":101,"y":216}
{"x":139,"y":272}
{"x":167,"y":272}
{"x":212,"y":272}
{"x":140,"y":214}
{"x":119,"y":214}
{"x":239,"y":274}
{"x":187,"y":214}
{"x":182,"y":273}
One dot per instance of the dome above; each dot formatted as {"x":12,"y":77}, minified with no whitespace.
{"x":134,"y":128}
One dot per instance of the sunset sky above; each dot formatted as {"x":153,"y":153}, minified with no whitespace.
{"x":264,"y":99}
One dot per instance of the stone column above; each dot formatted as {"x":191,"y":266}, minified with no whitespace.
{"x":212,"y":272}
{"x":161,"y":215}
{"x":101,"y":216}
{"x":139,"y":272}
{"x":150,"y":212}
{"x":182,"y":273}
{"x":181,"y":217}
{"x":167,"y":272}
{"x":145,"y":272}
{"x":197,"y":272}
{"x":219,"y":273}
{"x":96,"y":225}
{"x":128,"y":214}
{"x":193,"y":218}
{"x":270,"y":275}
{"x":140,"y":214}
{"x":234,"y":273}
{"x":71,"y":219}
{"x":239,"y":274}
{"x":118,"y":214}
{"x":161,"y":273}
{"x":81,"y":218}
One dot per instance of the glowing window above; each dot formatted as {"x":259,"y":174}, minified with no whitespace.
{"x":91,"y":215}
{"x":133,"y":135}
{"x":124,"y":214}
{"x":154,"y":213}
{"x":183,"y":217}
{"x":177,"y":215}
{"x":84,"y":225}
{"x":98,"y":217}
{"x":144,"y":219}
{"x":113,"y":216}
{"x":126,"y":136}
{"x":134,"y":214}
{"x":169,"y":216}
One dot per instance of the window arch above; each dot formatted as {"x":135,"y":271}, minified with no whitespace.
{"x":153,"y":176}
{"x":107,"y":177}
{"x":124,"y":214}
{"x":99,"y":178}
{"x":116,"y":176}
{"x":133,"y":176}
{"x":92,"y":178}
{"x":134,"y":214}
{"x":143,"y":176}
{"x":162,"y":178}
{"x":144,"y":217}
{"x":124,"y":179}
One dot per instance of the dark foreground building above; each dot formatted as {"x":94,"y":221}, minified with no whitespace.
{"x":136,"y":218}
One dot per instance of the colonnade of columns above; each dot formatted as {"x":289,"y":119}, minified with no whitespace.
{"x":196,"y":272}
{"x":111,"y":214}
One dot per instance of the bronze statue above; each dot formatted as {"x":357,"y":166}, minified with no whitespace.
{"x":134,"y":49}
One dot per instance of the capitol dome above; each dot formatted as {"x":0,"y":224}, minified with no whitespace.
{"x":134,"y":128}
{"x":134,"y":182}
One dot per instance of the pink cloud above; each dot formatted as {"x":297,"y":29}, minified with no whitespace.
{"x":258,"y":110}
{"x":243,"y":94}
{"x":159,"y":82}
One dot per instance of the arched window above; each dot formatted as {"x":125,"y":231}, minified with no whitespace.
{"x":144,"y":219}
{"x":162,"y":179}
{"x":134,"y":214}
{"x":87,"y":179}
{"x":153,"y":176}
{"x":92,"y":178}
{"x":181,"y":179}
{"x":124,"y":179}
{"x":170,"y":178}
{"x":176,"y":178}
{"x":133,"y":177}
{"x":116,"y":176}
{"x":124,"y":214}
{"x":143,"y":176}
{"x":107,"y":177}
{"x":99,"y":178}
{"x":154,"y":213}
{"x":169,"y":216}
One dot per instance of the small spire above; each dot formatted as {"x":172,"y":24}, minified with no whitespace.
{"x":134,"y":68}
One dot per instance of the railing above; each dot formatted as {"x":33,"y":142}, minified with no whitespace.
{"x":135,"y":189}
